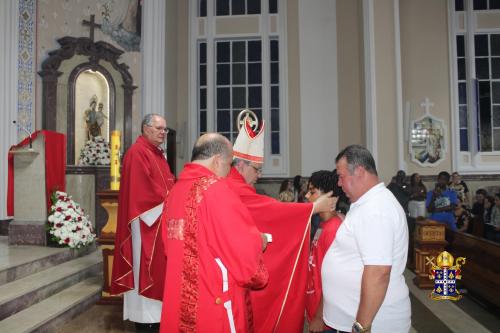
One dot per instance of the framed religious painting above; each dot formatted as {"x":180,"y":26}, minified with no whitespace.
{"x":427,"y":141}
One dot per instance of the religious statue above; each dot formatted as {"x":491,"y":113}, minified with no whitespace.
{"x":94,"y":118}
{"x":100,"y":116}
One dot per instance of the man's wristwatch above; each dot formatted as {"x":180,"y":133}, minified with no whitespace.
{"x":358,"y":328}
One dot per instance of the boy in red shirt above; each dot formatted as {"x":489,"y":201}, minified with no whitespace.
{"x":321,"y":182}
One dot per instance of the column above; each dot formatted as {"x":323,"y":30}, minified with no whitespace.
{"x":383,"y":86}
{"x":370,"y":79}
{"x":153,"y":57}
{"x":318,"y":85}
{"x":9,"y":15}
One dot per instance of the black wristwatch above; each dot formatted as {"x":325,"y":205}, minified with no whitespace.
{"x":358,"y":328}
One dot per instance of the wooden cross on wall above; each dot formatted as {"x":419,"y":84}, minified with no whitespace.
{"x":92,"y":25}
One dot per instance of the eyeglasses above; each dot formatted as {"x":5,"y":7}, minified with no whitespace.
{"x":258,"y":170}
{"x":160,"y":129}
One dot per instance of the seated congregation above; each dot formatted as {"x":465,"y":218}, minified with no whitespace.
{"x":449,"y":202}
{"x":472,"y":227}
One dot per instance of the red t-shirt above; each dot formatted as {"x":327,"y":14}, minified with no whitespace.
{"x":322,"y":240}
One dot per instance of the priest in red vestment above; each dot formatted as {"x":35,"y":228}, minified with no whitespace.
{"x":280,"y":306}
{"x":139,"y":260}
{"x":213,"y":247}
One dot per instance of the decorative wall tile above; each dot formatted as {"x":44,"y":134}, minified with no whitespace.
{"x":26,"y":65}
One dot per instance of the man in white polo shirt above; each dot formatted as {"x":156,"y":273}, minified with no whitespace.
{"x":364,"y":288}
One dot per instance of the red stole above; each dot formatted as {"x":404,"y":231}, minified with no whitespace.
{"x":145,"y":183}
{"x":55,"y":166}
{"x":279,"y":307}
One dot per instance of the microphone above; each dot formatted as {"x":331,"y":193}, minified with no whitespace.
{"x":26,"y":130}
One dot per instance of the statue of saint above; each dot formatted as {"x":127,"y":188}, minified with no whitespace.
{"x":94,"y":119}
{"x":100,"y":116}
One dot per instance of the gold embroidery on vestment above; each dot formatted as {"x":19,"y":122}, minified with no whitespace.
{"x":175,"y":229}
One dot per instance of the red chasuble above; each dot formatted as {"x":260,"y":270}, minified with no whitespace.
{"x":145,"y":183}
{"x":214,"y":256}
{"x":280,"y":306}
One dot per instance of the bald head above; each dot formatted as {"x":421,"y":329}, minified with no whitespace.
{"x":211,"y":144}
{"x":214,"y":152}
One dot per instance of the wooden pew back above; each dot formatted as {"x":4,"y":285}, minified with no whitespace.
{"x":481,"y":272}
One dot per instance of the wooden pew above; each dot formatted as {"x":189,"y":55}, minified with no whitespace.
{"x":481,"y":272}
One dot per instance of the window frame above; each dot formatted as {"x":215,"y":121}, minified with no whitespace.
{"x":204,"y":29}
{"x":473,"y":160}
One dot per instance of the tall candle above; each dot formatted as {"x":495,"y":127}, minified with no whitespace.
{"x":115,"y":160}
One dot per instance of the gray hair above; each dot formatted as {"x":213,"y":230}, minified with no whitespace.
{"x":357,"y":155}
{"x":210,"y":144}
{"x":147,"y":120}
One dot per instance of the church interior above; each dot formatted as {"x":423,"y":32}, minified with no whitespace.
{"x":415,"y":82}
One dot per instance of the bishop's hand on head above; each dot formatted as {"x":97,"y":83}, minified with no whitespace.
{"x":325,"y":203}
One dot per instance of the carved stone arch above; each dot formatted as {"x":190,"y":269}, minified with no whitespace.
{"x":94,"y":55}
{"x":71,"y":103}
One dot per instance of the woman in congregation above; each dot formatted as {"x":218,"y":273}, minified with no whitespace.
{"x":299,"y":189}
{"x":321,"y":182}
{"x":489,"y":203}
{"x":459,"y":186}
{"x":492,"y":228}
{"x":462,"y":216}
{"x":418,"y":193}
{"x":286,"y":192}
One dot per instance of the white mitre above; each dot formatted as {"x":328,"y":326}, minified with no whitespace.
{"x":249,"y":145}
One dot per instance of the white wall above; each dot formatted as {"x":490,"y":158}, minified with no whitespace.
{"x":318,"y":85}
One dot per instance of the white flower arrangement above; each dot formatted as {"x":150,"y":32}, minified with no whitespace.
{"x":95,"y":152}
{"x":67,"y":223}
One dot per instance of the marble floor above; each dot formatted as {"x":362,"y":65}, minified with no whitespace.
{"x":428,"y":316}
{"x":99,"y":318}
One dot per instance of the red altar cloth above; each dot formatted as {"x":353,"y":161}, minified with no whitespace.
{"x":55,"y":166}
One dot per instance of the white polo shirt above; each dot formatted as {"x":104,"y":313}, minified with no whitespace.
{"x":374,"y":232}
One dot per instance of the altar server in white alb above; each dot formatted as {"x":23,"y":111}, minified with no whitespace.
{"x":364,"y":288}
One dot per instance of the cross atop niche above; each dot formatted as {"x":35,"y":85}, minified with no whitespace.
{"x":427,"y":105}
{"x":92,"y":25}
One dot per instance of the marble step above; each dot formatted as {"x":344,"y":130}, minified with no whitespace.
{"x":22,"y":293}
{"x":49,"y":314}
{"x":19,"y":261}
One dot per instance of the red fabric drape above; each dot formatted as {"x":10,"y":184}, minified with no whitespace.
{"x":55,"y":166}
